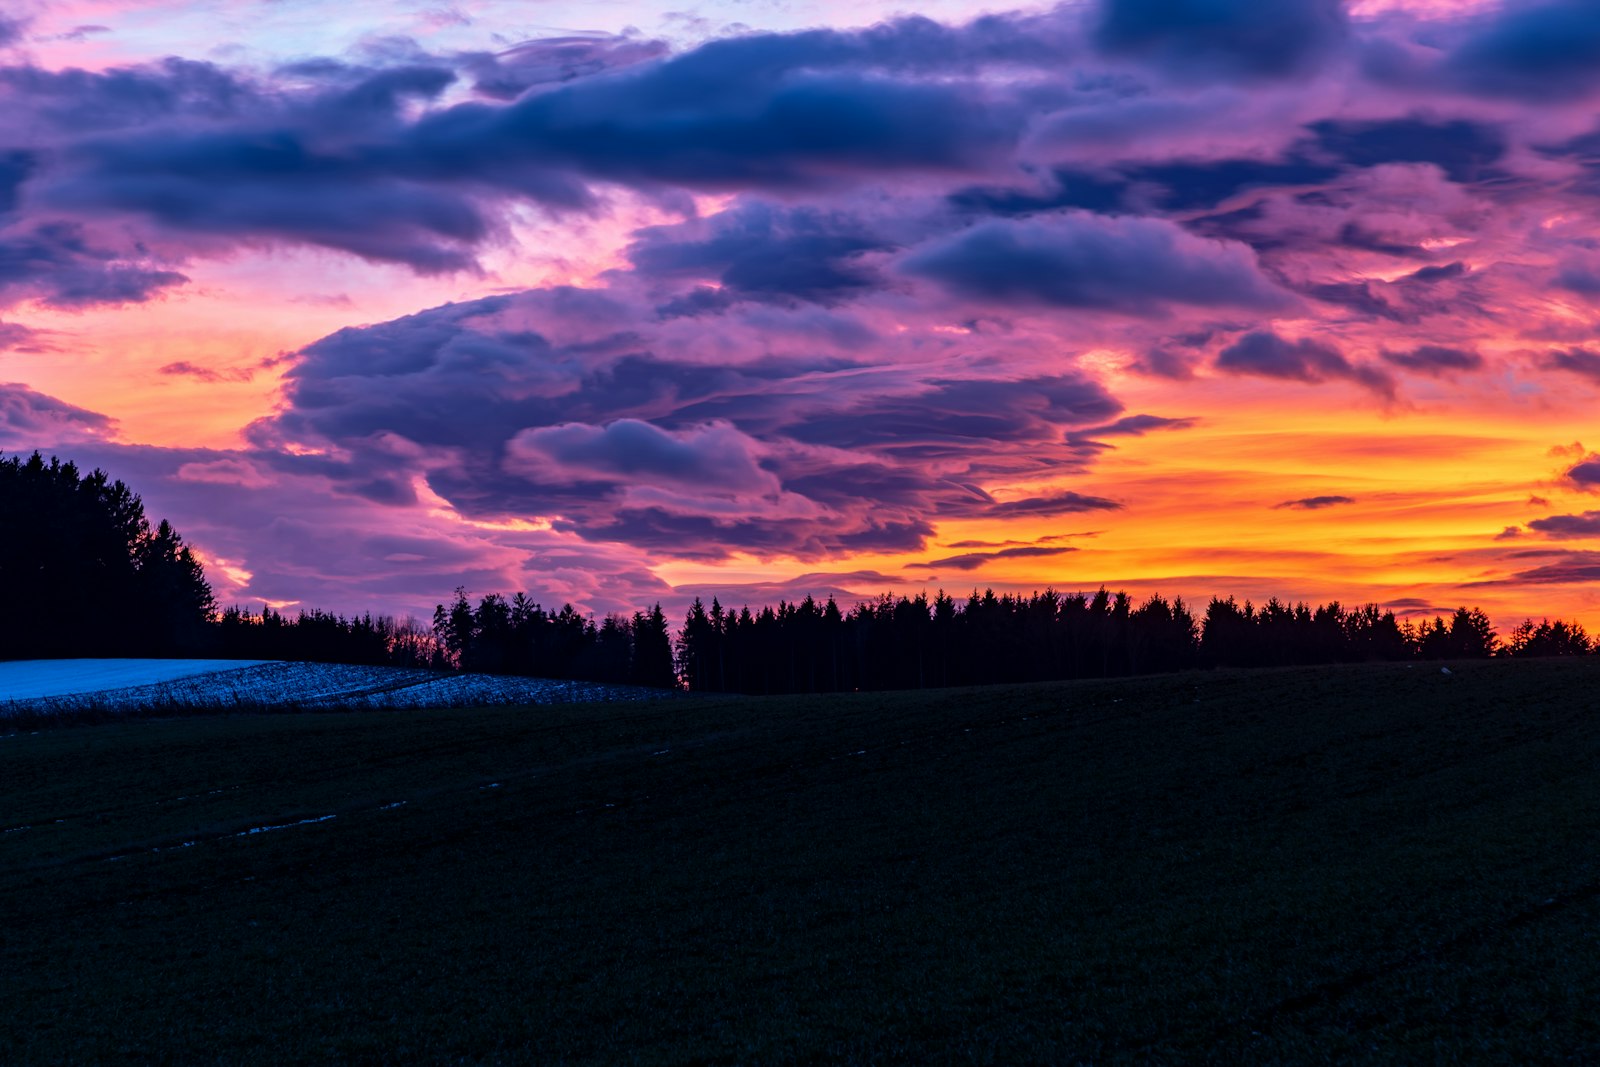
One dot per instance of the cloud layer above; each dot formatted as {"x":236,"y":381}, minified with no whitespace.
{"x":833,"y":301}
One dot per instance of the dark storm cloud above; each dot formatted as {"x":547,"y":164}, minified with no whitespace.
{"x":1066,"y":188}
{"x":1187,"y":185}
{"x":1226,"y":38}
{"x":243,"y":184}
{"x":1128,"y":265}
{"x":1314,"y":503}
{"x":1435,"y":360}
{"x":1533,"y":52}
{"x":801,"y":131}
{"x":201,"y":152}
{"x":1267,"y":355}
{"x":1180,"y":185}
{"x":969,"y":561}
{"x":776,"y":111}
{"x":904,"y":45}
{"x":1465,"y":150}
{"x":762,"y":251}
{"x":1565,"y":526}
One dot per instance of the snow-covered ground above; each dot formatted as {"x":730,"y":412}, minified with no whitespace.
{"x":24,"y":679}
{"x":66,"y":686}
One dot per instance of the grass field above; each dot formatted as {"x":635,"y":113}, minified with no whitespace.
{"x":1351,"y":864}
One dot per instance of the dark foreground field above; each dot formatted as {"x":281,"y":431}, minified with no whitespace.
{"x":1349,"y":864}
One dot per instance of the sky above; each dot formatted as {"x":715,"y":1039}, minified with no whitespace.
{"x":619,"y":302}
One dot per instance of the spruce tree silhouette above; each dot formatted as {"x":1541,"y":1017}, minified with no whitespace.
{"x":82,"y":573}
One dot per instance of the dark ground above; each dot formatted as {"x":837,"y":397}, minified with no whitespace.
{"x":1351,"y":864}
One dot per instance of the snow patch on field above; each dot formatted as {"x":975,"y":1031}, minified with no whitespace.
{"x":26,"y":679}
{"x":67,"y":686}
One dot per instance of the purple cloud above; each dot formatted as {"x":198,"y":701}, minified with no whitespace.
{"x":1265,"y":354}
{"x":1535,"y":52}
{"x":763,"y":252}
{"x":30,"y":420}
{"x":1568,"y":526}
{"x":715,"y":457}
{"x":1127,"y":265}
{"x":61,"y":265}
{"x":1579,"y":361}
{"x":530,"y":405}
{"x":507,"y":74}
{"x":1314,"y":503}
{"x":973,"y":560}
{"x":1435,"y":360}
{"x":1572,"y":567}
{"x":1223,"y":38}
{"x":1061,"y":503}
{"x":185,"y":369}
{"x":17,"y":337}
{"x":1585,"y":474}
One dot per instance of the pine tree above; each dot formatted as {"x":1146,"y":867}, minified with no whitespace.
{"x":82,"y":573}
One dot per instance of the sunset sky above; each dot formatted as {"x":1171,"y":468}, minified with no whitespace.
{"x":616,"y":302}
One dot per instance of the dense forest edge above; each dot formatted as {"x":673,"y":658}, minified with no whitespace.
{"x":83,"y":573}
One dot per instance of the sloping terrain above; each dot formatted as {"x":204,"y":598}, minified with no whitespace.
{"x":65,"y":687}
{"x":34,"y":679}
{"x":1356,"y":864}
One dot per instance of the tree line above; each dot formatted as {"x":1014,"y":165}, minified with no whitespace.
{"x":84,"y":573}
{"x":913,"y":642}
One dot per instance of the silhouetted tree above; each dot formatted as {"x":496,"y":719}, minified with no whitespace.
{"x":83,"y":573}
{"x":1548,"y":639}
{"x":652,"y":651}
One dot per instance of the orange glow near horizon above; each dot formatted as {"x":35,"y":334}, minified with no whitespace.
{"x":385,"y":300}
